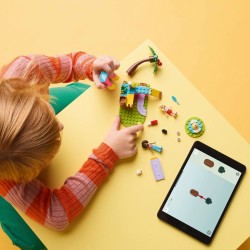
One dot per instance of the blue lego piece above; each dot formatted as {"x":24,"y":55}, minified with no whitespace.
{"x":103,"y":76}
{"x":142,"y":90}
{"x":157,"y":148}
{"x":126,"y":89}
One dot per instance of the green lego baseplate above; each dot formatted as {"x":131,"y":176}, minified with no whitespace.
{"x":134,"y":102}
{"x":131,"y":116}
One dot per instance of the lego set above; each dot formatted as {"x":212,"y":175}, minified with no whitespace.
{"x":133,"y":109}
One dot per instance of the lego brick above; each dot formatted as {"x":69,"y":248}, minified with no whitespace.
{"x":157,"y":169}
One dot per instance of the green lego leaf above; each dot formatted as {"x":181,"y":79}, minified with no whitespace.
{"x":153,"y":52}
{"x":155,"y":67}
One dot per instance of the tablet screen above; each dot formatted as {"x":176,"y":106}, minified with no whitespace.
{"x":202,"y":191}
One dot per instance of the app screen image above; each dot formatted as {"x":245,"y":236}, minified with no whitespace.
{"x":202,"y":192}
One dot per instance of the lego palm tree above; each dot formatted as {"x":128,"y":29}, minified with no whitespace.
{"x":152,"y":59}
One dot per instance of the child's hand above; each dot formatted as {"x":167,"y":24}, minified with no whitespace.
{"x":103,"y":63}
{"x":123,"y":142}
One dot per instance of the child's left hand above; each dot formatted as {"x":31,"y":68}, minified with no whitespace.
{"x":103,"y":63}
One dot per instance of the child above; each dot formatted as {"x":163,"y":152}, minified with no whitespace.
{"x":30,"y":137}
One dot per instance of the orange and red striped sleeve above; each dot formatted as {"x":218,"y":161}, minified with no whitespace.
{"x":64,"y":68}
{"x":57,"y":208}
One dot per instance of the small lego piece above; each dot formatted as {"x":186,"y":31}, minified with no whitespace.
{"x":175,"y":100}
{"x":138,"y":172}
{"x":156,"y":93}
{"x":157,"y":169}
{"x":168,"y":110}
{"x":152,"y":123}
{"x":178,"y":139}
{"x":145,"y":144}
{"x":164,"y":131}
{"x":178,"y":133}
{"x":129,"y":100}
{"x":107,"y":79}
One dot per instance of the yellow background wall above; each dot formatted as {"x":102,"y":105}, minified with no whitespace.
{"x":207,"y":40}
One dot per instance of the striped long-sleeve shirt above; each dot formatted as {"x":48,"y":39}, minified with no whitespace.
{"x":64,"y":68}
{"x":57,"y":208}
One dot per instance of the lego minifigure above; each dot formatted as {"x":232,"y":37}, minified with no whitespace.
{"x":151,"y":146}
{"x":168,"y":110}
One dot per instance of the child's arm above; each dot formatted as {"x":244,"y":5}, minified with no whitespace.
{"x":60,"y":69}
{"x":57,"y":208}
{"x":64,"y":68}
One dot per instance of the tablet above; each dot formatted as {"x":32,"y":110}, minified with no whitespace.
{"x":201,"y":192}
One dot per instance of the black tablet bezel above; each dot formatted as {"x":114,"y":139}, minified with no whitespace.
{"x":184,"y":227}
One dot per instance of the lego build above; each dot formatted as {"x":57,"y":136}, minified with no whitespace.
{"x":134,"y":102}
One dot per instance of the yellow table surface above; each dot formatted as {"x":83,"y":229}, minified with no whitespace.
{"x":207,"y":40}
{"x":122,"y":215}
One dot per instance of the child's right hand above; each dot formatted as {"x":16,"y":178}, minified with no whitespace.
{"x":104,"y":63}
{"x":123,"y":142}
